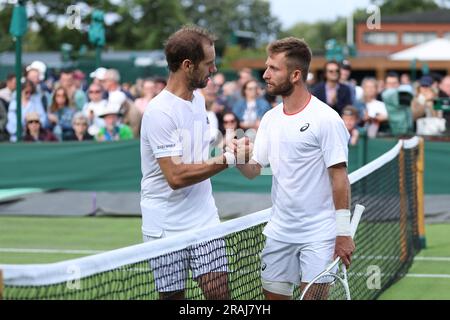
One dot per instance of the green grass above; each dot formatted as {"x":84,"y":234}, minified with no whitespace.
{"x":104,"y":233}
{"x":438,"y":245}
{"x":73,"y":233}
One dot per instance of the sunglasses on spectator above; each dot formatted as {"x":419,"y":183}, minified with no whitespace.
{"x":80,"y":123}
{"x":33,"y":121}
{"x":333,"y":70}
{"x":229,"y":121}
{"x":94,"y":91}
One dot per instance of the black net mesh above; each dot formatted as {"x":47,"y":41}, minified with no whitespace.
{"x":229,"y":267}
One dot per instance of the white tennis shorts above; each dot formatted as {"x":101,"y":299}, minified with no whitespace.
{"x":295,"y":263}
{"x":171,"y":271}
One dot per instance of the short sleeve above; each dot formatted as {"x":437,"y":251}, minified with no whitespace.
{"x":162,"y":134}
{"x":333,"y":141}
{"x":261,"y":146}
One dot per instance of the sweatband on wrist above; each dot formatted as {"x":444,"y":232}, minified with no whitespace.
{"x":230,"y":159}
{"x":343,"y":222}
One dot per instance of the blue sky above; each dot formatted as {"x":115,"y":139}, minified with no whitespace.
{"x":290,"y":12}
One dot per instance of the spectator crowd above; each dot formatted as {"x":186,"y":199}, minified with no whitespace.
{"x":79,"y":107}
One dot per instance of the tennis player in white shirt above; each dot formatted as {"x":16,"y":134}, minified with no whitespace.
{"x":176,"y":193}
{"x":305,"y":143}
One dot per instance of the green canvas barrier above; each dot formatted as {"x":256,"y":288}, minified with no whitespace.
{"x":115,"y":166}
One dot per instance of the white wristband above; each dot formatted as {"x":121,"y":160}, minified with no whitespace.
{"x":343,"y":222}
{"x":230,"y":159}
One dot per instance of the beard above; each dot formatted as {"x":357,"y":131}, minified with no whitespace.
{"x":283,"y":89}
{"x":196,"y":81}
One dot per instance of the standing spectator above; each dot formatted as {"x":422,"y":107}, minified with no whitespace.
{"x":4,"y":135}
{"x":392,"y":80}
{"x":28,"y":105}
{"x":113,"y":130}
{"x":7,"y":92}
{"x":330,"y":91}
{"x":95,"y":107}
{"x":60,"y":114}
{"x":116,"y":97}
{"x":350,"y":117}
{"x":35,"y":73}
{"x":374,"y":111}
{"x":148,"y":93}
{"x":79,"y":126}
{"x":34,"y":131}
{"x":98,"y":76}
{"x":422,"y":104}
{"x":251,"y":108}
{"x":160,"y":83}
{"x":444,"y":92}
{"x":344,"y":78}
{"x":77,"y":97}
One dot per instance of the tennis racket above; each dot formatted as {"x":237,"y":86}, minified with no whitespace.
{"x":332,"y":283}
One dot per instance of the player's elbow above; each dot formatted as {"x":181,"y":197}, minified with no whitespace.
{"x":175,"y":183}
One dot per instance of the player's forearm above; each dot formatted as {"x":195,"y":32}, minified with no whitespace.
{"x":340,"y":187}
{"x":185,"y":175}
{"x":249,"y":170}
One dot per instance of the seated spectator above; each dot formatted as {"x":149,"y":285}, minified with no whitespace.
{"x":350,"y":117}
{"x":34,"y":131}
{"x":80,"y":125}
{"x":28,"y":105}
{"x":148,"y":93}
{"x":113,"y":130}
{"x":251,"y":108}
{"x":60,"y":114}
{"x":330,"y":91}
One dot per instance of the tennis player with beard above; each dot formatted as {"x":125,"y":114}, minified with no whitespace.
{"x":305,"y":143}
{"x":176,"y":194}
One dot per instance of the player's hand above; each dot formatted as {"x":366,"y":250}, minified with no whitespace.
{"x":344,"y":249}
{"x":244,"y":150}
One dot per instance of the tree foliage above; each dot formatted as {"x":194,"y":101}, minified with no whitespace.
{"x":139,"y":24}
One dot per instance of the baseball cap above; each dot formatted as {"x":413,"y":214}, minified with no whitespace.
{"x":426,"y":81}
{"x":39,"y":66}
{"x":99,"y":73}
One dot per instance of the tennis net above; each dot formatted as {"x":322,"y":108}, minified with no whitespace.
{"x":225,"y":259}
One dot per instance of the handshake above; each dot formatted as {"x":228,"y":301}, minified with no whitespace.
{"x":238,"y":151}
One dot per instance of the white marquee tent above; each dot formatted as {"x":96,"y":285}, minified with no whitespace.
{"x":437,"y":49}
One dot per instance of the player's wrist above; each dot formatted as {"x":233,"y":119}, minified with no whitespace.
{"x":343,"y":222}
{"x":230,"y":159}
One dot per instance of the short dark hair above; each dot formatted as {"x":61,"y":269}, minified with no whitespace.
{"x":392,"y":74}
{"x":187,"y":43}
{"x":297,"y":52}
{"x":10,"y":76}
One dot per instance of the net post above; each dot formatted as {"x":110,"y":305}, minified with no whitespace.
{"x":403,"y":207}
{"x":420,"y":165}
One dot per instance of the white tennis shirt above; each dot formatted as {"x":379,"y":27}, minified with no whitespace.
{"x":299,"y":149}
{"x":172,"y":126}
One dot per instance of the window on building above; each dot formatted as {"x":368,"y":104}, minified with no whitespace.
{"x":409,"y":38}
{"x":381,"y":38}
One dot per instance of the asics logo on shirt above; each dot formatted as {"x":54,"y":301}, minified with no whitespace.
{"x":304,"y":128}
